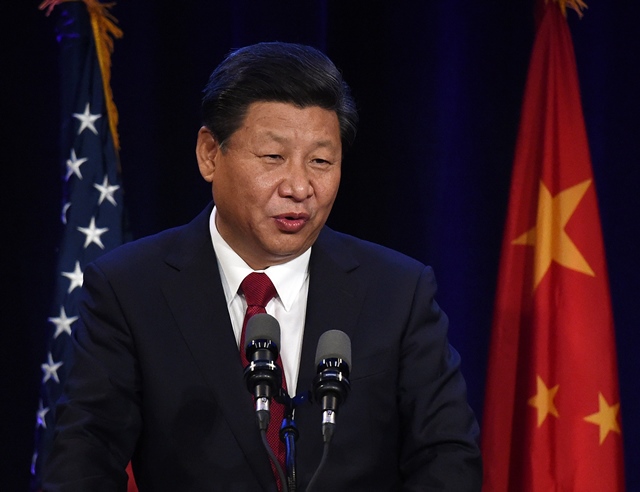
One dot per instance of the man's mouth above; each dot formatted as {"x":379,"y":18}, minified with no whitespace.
{"x":291,"y":223}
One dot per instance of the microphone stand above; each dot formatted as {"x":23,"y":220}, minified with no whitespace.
{"x":289,"y":435}
{"x":289,"y":432}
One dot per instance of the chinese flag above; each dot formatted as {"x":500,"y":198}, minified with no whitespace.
{"x":552,"y":409}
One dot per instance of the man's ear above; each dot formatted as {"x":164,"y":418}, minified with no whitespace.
{"x":206,"y":150}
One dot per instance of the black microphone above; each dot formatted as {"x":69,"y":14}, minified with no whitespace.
{"x":262,"y":375}
{"x":331,"y":385}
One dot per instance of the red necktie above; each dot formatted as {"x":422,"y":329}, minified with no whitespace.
{"x":258,"y":291}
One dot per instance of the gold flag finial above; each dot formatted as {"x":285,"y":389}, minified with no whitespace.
{"x":577,"y":5}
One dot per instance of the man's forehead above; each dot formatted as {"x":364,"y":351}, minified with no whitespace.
{"x":281,"y":122}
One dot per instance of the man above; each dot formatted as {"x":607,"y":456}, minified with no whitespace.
{"x":157,"y":377}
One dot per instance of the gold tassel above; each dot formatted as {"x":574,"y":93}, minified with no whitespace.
{"x":105,"y":30}
{"x":577,"y":5}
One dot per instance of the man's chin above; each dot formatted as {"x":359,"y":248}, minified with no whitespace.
{"x":283,"y":254}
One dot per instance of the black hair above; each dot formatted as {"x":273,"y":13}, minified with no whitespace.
{"x":278,"y":72}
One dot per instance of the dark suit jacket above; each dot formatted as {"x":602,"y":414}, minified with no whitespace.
{"x":157,"y":377}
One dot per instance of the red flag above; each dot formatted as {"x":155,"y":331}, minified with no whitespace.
{"x":552,"y":408}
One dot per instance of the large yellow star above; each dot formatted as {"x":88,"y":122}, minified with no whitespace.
{"x":606,"y":417}
{"x":548,"y":237}
{"x":543,"y":400}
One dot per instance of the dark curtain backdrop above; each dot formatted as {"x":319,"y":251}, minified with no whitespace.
{"x":439,"y":87}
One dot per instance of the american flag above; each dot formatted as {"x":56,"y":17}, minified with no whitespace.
{"x":92,"y":211}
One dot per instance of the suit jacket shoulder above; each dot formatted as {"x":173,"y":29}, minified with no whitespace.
{"x":177,"y":246}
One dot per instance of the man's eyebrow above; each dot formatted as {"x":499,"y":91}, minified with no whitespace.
{"x":282,"y":139}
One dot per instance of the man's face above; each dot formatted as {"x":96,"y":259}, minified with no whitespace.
{"x":275,"y":181}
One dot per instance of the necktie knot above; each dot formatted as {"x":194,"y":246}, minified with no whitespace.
{"x":258,"y":289}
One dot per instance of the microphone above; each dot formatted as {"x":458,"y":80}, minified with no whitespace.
{"x":262,"y":375}
{"x":331,"y":385}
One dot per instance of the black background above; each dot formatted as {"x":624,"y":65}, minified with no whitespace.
{"x":439,"y":87}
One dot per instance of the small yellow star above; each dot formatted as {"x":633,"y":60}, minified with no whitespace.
{"x":606,"y":417}
{"x":543,"y":400}
{"x":548,"y":237}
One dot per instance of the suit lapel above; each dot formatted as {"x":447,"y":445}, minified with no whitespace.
{"x":334,"y":302}
{"x":194,"y":292}
{"x":336,"y":295}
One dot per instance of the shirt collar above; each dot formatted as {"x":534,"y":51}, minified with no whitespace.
{"x":287,"y":278}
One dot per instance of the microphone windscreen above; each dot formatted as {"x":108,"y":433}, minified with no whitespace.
{"x":334,"y":344}
{"x":262,"y":326}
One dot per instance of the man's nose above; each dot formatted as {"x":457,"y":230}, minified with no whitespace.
{"x":296,"y":183}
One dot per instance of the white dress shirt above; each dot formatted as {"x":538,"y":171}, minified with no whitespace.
{"x":291,"y":281}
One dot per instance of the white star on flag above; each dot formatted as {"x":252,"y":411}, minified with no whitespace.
{"x":106,"y":191}
{"x":63,"y":324}
{"x":76,"y":277}
{"x":93,"y":233}
{"x":87,"y":120}
{"x":63,"y":215}
{"x":50,"y":369}
{"x":73,"y":165}
{"x":42,"y":412}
